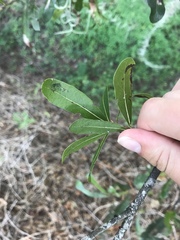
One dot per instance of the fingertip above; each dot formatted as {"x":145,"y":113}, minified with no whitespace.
{"x":129,"y":144}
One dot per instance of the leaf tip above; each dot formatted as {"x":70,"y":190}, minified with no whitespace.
{"x":64,"y":156}
{"x":89,"y":177}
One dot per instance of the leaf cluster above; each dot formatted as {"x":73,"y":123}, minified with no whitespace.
{"x":94,"y":121}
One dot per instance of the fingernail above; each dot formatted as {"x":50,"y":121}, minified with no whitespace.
{"x":130,"y":144}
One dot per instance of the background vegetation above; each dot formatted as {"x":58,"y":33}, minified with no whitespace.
{"x":88,"y":61}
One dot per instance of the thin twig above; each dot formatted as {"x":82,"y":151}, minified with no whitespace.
{"x":129,"y":212}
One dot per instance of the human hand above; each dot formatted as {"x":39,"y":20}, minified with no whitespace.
{"x":157,"y":136}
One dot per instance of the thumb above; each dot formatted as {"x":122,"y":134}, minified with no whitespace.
{"x":158,"y":150}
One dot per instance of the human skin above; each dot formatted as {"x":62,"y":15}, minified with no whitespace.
{"x":157,"y":136}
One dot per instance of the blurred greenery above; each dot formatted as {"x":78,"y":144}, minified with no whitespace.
{"x":88,"y":61}
{"x":22,"y":119}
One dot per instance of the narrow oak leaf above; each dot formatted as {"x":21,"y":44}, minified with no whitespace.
{"x":96,"y":155}
{"x":104,"y":105}
{"x":80,"y":143}
{"x":69,"y":98}
{"x":90,"y":126}
{"x":123,"y":88}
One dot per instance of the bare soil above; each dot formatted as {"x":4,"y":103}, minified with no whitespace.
{"x":38,"y":198}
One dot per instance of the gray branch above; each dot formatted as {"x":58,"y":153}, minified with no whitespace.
{"x":130,"y":212}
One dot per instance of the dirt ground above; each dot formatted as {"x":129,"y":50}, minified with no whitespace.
{"x":38,"y":198}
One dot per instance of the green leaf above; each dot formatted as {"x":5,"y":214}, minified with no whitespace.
{"x":70,"y":99}
{"x":89,"y":126}
{"x":165,"y":190}
{"x":170,"y":216}
{"x":96,"y":155}
{"x":143,"y":95}
{"x":96,"y":184}
{"x":123,"y":87}
{"x":140,"y":179}
{"x":139,"y":227}
{"x":22,"y":119}
{"x":157,"y":10}
{"x":57,"y":14}
{"x":157,"y":226}
{"x":78,"y":5}
{"x":118,"y":209}
{"x":80,"y":143}
{"x":104,"y":106}
{"x":80,"y":187}
{"x":2,"y":2}
{"x":35,"y":24}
